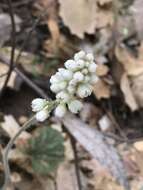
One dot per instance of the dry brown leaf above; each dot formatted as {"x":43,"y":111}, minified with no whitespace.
{"x":137,"y":89}
{"x":90,"y":113}
{"x":128,"y":94}
{"x":66,"y":178}
{"x":139,"y":145}
{"x":138,"y":15}
{"x":101,"y":90}
{"x":12,"y":127}
{"x":132,"y":87}
{"x":84,"y":16}
{"x":102,"y":70}
{"x":133,"y":66}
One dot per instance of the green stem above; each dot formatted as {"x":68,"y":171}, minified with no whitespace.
{"x":7,"y":149}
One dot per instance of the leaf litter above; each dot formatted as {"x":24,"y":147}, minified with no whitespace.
{"x":105,"y":162}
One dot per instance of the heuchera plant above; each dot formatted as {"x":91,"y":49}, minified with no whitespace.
{"x":70,"y":84}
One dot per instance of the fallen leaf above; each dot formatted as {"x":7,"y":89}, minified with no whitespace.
{"x":84,"y":16}
{"x":5,"y":26}
{"x":102,"y":70}
{"x":138,"y":145}
{"x":101,"y":90}
{"x":133,"y":66}
{"x":137,"y":9}
{"x":66,"y":178}
{"x":95,"y":143}
{"x":90,"y":113}
{"x":132,"y":80}
{"x":11,"y":126}
{"x":128,"y":93}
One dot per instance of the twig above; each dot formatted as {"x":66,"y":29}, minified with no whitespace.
{"x":76,"y":161}
{"x":9,"y":146}
{"x":25,"y":78}
{"x":13,"y":39}
{"x":28,"y":37}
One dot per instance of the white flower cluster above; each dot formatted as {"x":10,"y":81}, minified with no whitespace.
{"x":74,"y":82}
{"x":70,"y":84}
{"x":39,"y":106}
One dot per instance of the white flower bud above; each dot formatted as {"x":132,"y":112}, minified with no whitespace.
{"x":59,"y":76}
{"x":89,"y":57}
{"x":78,"y":76}
{"x":75,"y":106}
{"x":92,"y":67}
{"x":42,"y":115}
{"x":79,"y":55}
{"x":63,"y":95}
{"x":85,"y":71}
{"x":87,"y":79}
{"x":60,"y":110}
{"x":87,"y":63}
{"x":67,"y":75}
{"x":54,"y":79}
{"x":73,"y":82}
{"x":93,"y":79}
{"x":55,"y":87}
{"x":71,"y":65}
{"x":38,"y":104}
{"x":80,"y":64}
{"x":71,"y":89}
{"x":84,"y":90}
{"x":62,"y":85}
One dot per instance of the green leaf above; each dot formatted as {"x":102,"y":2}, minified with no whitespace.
{"x":46,"y":150}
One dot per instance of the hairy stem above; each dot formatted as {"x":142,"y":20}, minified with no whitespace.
{"x":9,"y":146}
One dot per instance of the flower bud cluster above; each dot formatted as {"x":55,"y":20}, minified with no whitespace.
{"x":39,"y":106}
{"x":71,"y":84}
{"x":74,"y":82}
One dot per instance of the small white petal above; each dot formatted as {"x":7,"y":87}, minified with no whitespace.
{"x":71,"y":89}
{"x":93,"y":79}
{"x":73,"y":82}
{"x":85,"y":71}
{"x":62,"y":85}
{"x":84,"y":90}
{"x":54,"y":79}
{"x":87,"y":63}
{"x":92,"y":67}
{"x":79,"y":55}
{"x":55,"y":88}
{"x":42,"y":115}
{"x":63,"y":95}
{"x":59,"y":76}
{"x":60,"y":110}
{"x":87,"y":79}
{"x":89,"y":57}
{"x":78,"y":76}
{"x":75,"y":106}
{"x":38,"y":104}
{"x":67,"y":74}
{"x":80,"y":64}
{"x":71,"y":65}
